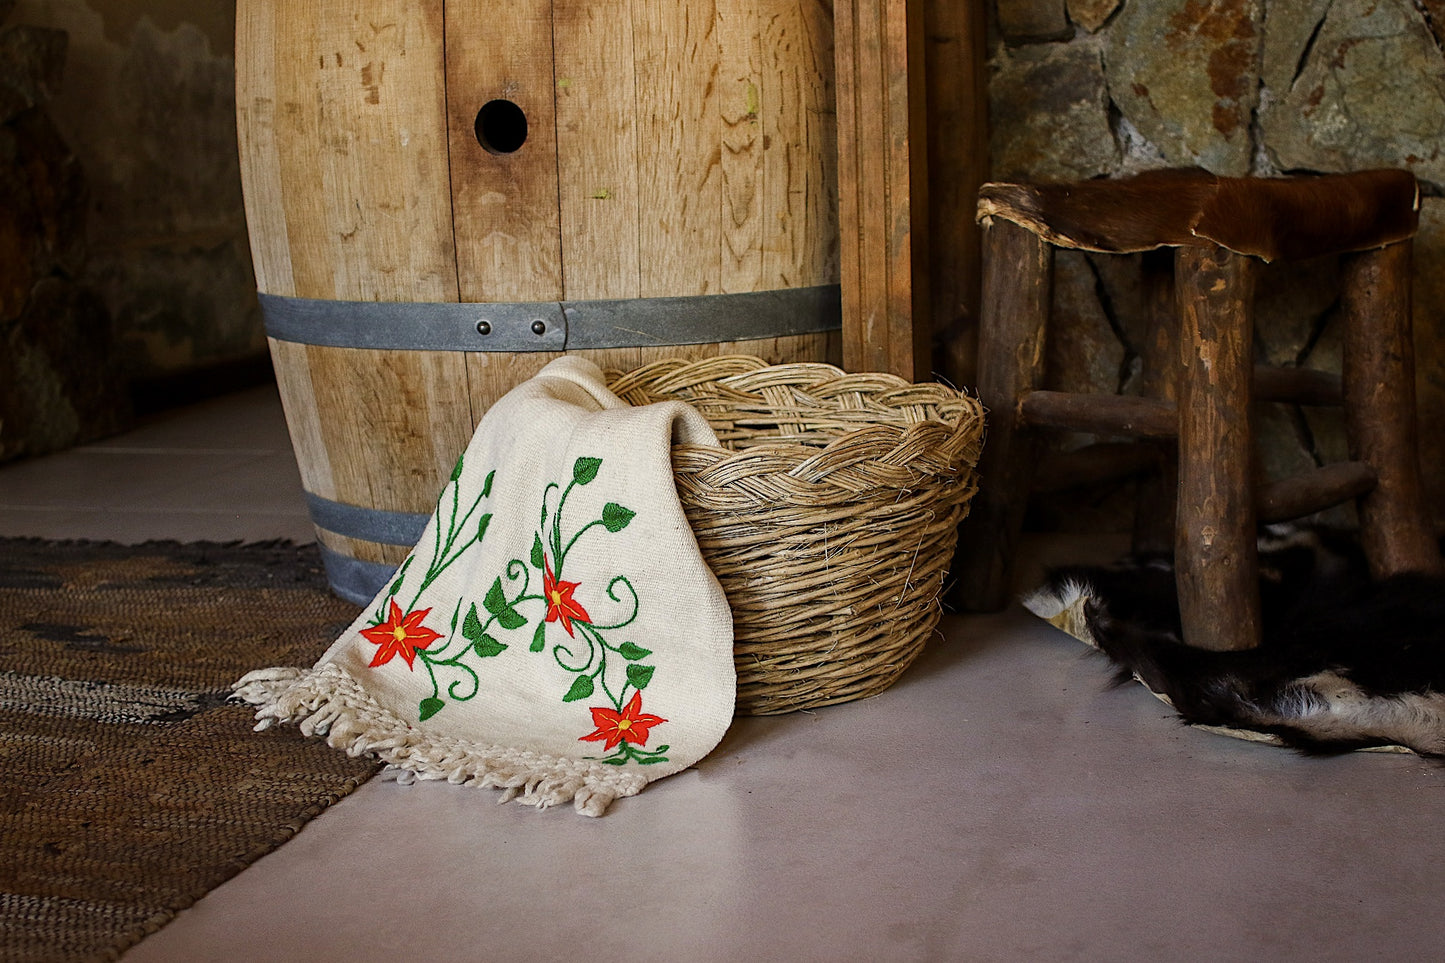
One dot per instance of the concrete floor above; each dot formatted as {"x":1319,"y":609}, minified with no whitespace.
{"x":999,"y":803}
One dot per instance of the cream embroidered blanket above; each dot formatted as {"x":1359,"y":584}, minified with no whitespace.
{"x":556,"y":632}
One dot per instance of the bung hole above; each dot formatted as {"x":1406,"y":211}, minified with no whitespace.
{"x":501,"y":127}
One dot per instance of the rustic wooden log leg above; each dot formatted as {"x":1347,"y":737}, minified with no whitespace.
{"x":1216,"y":561}
{"x":1379,"y":388}
{"x":1154,"y":513}
{"x":1017,"y":288}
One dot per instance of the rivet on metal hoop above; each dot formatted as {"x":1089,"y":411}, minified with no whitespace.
{"x":484,"y":327}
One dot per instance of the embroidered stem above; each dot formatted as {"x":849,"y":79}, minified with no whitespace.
{"x":632,"y":616}
{"x":563,"y":553}
{"x":557,"y":551}
{"x":444,"y":555}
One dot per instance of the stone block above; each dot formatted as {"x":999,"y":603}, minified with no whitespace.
{"x":1293,"y":304}
{"x":1083,"y":351}
{"x":1370,"y":93}
{"x":1290,"y":29}
{"x":1185,"y":74}
{"x":1049,"y":114}
{"x":1033,"y":21}
{"x":1092,"y":14}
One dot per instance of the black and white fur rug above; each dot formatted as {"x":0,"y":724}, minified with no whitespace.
{"x":1345,"y":662}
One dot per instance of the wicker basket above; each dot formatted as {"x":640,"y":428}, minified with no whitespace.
{"x":830,"y":517}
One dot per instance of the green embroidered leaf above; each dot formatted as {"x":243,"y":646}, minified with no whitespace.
{"x":510,"y":618}
{"x":496,"y":599}
{"x":396,"y":586}
{"x":662,"y":748}
{"x":472,"y":626}
{"x":457,"y":612}
{"x":581,"y":689}
{"x":457,"y":471}
{"x":639,"y":675}
{"x":430,"y":707}
{"x":486,"y":647}
{"x":537,"y":556}
{"x":615,"y":517}
{"x":482,"y":526}
{"x":613,"y":762}
{"x":539,"y":637}
{"x":585,"y":469}
{"x":632,"y":652}
{"x":651,"y":760}
{"x":487,"y":485}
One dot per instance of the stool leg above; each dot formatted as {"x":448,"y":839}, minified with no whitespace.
{"x":1379,"y":387}
{"x":1215,"y":555}
{"x":1017,"y":289}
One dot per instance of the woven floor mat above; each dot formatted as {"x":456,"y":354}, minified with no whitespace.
{"x":129,"y":786}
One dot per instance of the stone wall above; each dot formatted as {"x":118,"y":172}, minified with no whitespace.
{"x":144,"y":100}
{"x":1090,"y":88}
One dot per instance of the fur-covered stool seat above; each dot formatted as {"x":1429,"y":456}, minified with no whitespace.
{"x":1201,"y":375}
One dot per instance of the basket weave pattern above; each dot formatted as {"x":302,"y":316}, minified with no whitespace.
{"x":830,"y":516}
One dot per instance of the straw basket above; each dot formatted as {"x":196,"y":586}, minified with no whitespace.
{"x":829,"y":517}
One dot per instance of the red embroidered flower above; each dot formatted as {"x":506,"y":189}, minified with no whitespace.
{"x":560,"y":603}
{"x":631,"y":725}
{"x":400,"y":635}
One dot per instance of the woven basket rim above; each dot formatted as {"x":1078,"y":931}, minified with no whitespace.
{"x":888,"y":390}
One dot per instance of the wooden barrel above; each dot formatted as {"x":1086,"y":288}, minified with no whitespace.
{"x":443,"y":197}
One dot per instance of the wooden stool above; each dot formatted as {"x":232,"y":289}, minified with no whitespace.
{"x":1202,"y":343}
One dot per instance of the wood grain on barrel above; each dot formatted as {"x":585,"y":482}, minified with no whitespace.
{"x":360,"y":143}
{"x":799,"y":234}
{"x":597,"y":131}
{"x":507,"y":219}
{"x":744,"y":172}
{"x":679,"y":149}
{"x":256,"y":83}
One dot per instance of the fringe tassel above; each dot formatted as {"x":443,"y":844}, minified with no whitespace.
{"x":330,"y":703}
